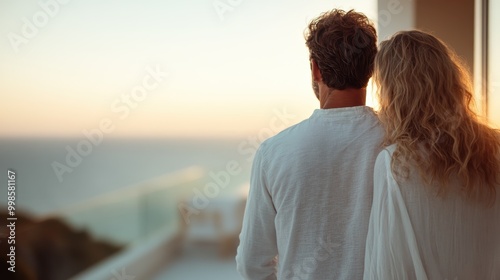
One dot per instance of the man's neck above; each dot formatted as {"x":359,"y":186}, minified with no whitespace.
{"x":349,"y":97}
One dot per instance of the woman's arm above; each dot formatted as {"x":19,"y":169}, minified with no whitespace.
{"x":391,"y":247}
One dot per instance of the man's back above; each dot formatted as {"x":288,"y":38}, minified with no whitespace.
{"x":310,"y":198}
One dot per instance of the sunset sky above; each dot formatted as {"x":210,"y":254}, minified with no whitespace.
{"x":66,"y":68}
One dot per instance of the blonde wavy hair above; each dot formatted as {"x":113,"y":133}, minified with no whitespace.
{"x":426,"y":107}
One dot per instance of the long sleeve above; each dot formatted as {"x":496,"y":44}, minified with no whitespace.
{"x":391,"y":247}
{"x":257,"y":253}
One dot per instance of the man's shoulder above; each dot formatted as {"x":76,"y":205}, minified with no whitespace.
{"x":281,"y":137}
{"x":299,"y":133}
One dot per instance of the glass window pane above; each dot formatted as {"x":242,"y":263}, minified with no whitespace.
{"x":494,"y":63}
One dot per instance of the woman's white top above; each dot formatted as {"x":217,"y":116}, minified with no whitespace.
{"x":414,"y":234}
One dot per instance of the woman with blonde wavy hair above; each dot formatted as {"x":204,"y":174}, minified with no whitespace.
{"x":436,"y":204}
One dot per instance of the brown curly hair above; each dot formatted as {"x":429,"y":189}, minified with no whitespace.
{"x":343,"y":45}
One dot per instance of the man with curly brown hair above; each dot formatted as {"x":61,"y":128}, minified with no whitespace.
{"x":311,"y":185}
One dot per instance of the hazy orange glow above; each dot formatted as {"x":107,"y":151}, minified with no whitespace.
{"x":227,"y":71}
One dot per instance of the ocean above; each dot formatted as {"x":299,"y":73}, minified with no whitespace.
{"x":53,"y":174}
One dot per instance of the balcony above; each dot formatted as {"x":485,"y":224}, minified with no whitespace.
{"x":153,"y":230}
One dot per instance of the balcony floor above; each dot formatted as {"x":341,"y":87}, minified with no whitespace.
{"x":200,"y":262}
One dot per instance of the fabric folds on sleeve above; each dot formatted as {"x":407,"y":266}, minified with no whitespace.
{"x":391,"y":247}
{"x":257,"y":253}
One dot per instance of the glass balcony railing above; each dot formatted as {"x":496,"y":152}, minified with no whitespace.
{"x":130,"y":215}
{"x":157,"y":229}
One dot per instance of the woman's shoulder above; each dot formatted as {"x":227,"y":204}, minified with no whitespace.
{"x":383,"y":168}
{"x":385,"y":155}
{"x":390,"y":149}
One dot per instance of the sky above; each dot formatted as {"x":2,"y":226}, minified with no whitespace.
{"x":156,"y":68}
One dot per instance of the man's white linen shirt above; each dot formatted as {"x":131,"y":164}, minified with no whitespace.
{"x":310,"y":197}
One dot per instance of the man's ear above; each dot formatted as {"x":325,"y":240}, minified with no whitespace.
{"x":315,"y":71}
